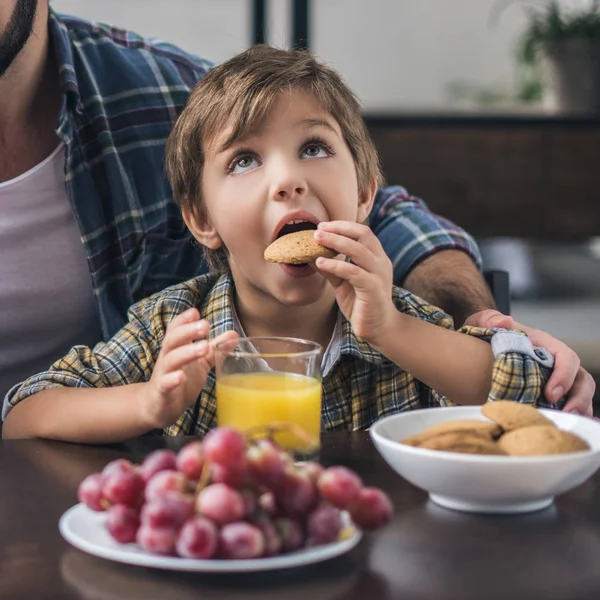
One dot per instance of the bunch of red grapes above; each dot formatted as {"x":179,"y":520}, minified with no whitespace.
{"x":230,"y":498}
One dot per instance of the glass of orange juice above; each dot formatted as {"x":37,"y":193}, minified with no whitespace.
{"x":272,"y":385}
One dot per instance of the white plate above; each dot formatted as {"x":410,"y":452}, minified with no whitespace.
{"x":84,"y":529}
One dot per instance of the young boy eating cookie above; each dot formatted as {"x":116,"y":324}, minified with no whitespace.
{"x":269,"y":143}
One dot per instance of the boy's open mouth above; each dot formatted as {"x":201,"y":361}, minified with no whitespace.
{"x":292,"y":227}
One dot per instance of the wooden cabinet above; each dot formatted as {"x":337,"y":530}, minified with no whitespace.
{"x":498,"y":176}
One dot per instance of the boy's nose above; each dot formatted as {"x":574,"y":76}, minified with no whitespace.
{"x":288,"y":182}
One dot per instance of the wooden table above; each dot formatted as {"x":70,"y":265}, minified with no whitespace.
{"x":426,"y":553}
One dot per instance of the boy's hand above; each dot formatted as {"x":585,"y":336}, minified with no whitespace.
{"x":181,"y":369}
{"x":363,"y":287}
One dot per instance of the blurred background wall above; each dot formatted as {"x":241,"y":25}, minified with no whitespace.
{"x":395,"y":54}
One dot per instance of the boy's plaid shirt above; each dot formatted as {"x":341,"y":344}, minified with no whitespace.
{"x":361,"y":386}
{"x":121,"y":94}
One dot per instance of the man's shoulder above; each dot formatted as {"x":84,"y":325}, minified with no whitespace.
{"x":122,"y":60}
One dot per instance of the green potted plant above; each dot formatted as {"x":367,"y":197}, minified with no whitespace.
{"x":559,"y":52}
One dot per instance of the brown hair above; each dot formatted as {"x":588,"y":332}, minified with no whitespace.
{"x":239,"y":94}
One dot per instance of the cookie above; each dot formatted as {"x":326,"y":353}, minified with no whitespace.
{"x":296,"y":249}
{"x":513,"y":415}
{"x":493,"y":430}
{"x":539,"y":440}
{"x":467,"y":442}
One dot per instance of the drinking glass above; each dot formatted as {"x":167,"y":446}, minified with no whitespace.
{"x":272,"y":386}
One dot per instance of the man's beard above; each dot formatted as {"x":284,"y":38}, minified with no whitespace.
{"x":16,"y":33}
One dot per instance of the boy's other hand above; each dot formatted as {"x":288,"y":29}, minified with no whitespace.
{"x":363,"y":287}
{"x":568,"y":378}
{"x":181,"y":369}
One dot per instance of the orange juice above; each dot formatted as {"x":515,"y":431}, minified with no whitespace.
{"x":245,"y":400}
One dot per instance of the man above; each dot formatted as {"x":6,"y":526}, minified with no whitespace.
{"x":87,"y":222}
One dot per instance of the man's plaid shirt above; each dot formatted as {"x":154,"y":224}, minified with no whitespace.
{"x":360,"y":387}
{"x":121,"y":94}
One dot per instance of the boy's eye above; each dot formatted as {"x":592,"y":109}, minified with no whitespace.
{"x":315,"y":151}
{"x":241,"y":164}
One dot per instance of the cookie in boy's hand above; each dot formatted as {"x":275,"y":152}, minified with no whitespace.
{"x":296,"y":248}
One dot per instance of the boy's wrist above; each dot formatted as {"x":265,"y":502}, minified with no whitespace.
{"x":386,"y":333}
{"x":143,"y":399}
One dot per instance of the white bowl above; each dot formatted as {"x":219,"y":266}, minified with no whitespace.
{"x":485,"y":483}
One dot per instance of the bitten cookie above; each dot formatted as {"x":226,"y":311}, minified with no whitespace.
{"x":296,"y":249}
{"x":513,"y":415}
{"x":467,"y":442}
{"x":539,"y":440}
{"x":492,"y":430}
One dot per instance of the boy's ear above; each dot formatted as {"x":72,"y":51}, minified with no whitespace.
{"x":365,"y":201}
{"x":202,"y":230}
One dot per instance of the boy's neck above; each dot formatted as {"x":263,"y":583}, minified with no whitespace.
{"x":315,"y":322}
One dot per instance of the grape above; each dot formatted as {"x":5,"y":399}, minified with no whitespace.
{"x":250,"y":502}
{"x":340,"y":486}
{"x":164,"y":482}
{"x":220,"y":503}
{"x":267,"y":503}
{"x":235,"y":476}
{"x":297,"y":494}
{"x":312,"y":469}
{"x":157,"y":540}
{"x":90,"y":492}
{"x":123,"y":487}
{"x":290,"y":532}
{"x":372,"y":509}
{"x":273,"y":541}
{"x":117,"y":466}
{"x":170,"y":510}
{"x":324,"y":524}
{"x":267,"y":463}
{"x":224,"y":446}
{"x":159,"y":460}
{"x":122,"y":523}
{"x":190,"y":460}
{"x":198,"y":538}
{"x":241,"y":540}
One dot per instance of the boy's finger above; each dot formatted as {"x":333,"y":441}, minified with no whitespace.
{"x":354,"y":231}
{"x":185,"y":333}
{"x":170,"y":381}
{"x":187,"y":316}
{"x":324,"y":269}
{"x":182,"y":356}
{"x":357,"y":252}
{"x":226,"y":342}
{"x":347,"y":271}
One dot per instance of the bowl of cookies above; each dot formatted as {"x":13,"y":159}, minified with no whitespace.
{"x":502,"y":457}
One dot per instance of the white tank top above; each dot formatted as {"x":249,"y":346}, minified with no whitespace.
{"x":46,"y":297}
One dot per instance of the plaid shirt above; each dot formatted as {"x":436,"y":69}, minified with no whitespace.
{"x":360,"y":387}
{"x":121,"y":94}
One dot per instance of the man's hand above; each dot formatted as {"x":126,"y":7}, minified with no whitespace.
{"x":363,"y":287}
{"x":568,"y":378}
{"x":181,"y":369}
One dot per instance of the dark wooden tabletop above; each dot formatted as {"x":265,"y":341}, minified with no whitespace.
{"x":427,"y":552}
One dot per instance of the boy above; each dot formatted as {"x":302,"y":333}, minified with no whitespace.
{"x":269,"y":142}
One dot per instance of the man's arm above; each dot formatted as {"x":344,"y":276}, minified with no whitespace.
{"x":449,"y":279}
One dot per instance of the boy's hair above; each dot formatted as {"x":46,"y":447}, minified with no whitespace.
{"x":240,"y":94}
